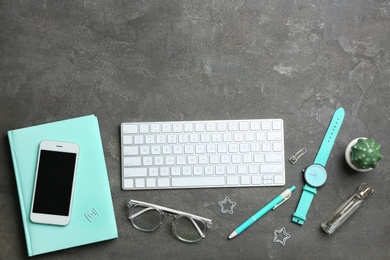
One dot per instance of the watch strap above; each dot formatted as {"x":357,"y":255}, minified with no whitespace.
{"x":307,"y":196}
{"x":330,"y":137}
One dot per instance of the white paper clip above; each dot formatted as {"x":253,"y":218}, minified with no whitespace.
{"x":297,"y":155}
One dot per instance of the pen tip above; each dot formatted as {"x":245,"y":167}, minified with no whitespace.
{"x":233,"y":234}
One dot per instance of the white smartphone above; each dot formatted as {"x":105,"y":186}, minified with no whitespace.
{"x":54,"y":183}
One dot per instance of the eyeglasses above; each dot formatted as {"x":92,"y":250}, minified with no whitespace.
{"x":186,"y":227}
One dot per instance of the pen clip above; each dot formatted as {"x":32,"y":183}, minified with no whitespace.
{"x":283,"y":201}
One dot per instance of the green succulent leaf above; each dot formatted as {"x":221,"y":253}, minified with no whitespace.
{"x":366,"y":153}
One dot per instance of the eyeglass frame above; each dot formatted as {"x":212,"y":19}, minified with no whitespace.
{"x":173,"y":213}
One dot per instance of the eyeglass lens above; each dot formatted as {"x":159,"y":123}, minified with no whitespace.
{"x":189,"y":229}
{"x":145,"y":218}
{"x":149,"y":219}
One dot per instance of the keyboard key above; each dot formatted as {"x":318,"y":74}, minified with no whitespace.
{"x":130,"y":129}
{"x":139,"y":183}
{"x":216,"y":137}
{"x":274,"y":136}
{"x":279,"y":179}
{"x":231,"y":169}
{"x":161,"y":139}
{"x":176,"y":171}
{"x":155,"y":128}
{"x":238,"y":137}
{"x":199,"y":127}
{"x":221,"y":127}
{"x":225,"y":158}
{"x":198,"y":170}
{"x":159,"y":160}
{"x":132,"y":161}
{"x":253,"y":168}
{"x":210,"y":127}
{"x":266,"y":147}
{"x":177,"y":128}
{"x":188,"y":127}
{"x":147,"y":161}
{"x":163,"y":182}
{"x":247,"y":158}
{"x":200,"y":148}
{"x":144,"y":150}
{"x":266,"y":125}
{"x":130,"y":150}
{"x":277,"y":125}
{"x":214,"y":158}
{"x":261,"y":136}
{"x":198,"y":182}
{"x":164,"y":171}
{"x":249,"y":137}
{"x":144,"y":128}
{"x":242,"y":169}
{"x":209,"y":170}
{"x":244,"y":126}
{"x":181,"y":160}
{"x":166,"y":128}
{"x":233,"y":148}
{"x":277,"y":147}
{"x":153,"y":171}
{"x":183,"y":138}
{"x":155,"y":150}
{"x":220,"y":169}
{"x":272,"y":168}
{"x":135,"y":172}
{"x":232,"y":126}
{"x":150,"y":183}
{"x":273,"y":157}
{"x":139,"y":139}
{"x":257,"y":180}
{"x":127,"y":139}
{"x":203,"y":159}
{"x":187,"y":170}
{"x":149,"y":139}
{"x":227,"y":137}
{"x":233,"y":180}
{"x":128,"y":183}
{"x":205,"y":138}
{"x":194,"y":138}
{"x":245,"y":180}
{"x":211,"y":148}
{"x":255,"y":126}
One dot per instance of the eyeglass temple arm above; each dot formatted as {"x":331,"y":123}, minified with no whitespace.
{"x":140,"y":212}
{"x":197,"y":227}
{"x":169,"y":210}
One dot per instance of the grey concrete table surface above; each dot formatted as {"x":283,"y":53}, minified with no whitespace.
{"x":199,"y":60}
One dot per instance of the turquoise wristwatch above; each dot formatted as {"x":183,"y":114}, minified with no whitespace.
{"x":315,"y":175}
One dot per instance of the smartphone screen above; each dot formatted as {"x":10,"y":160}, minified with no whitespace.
{"x":54,"y":183}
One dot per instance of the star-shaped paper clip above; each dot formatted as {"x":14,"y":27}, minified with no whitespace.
{"x":230,"y":203}
{"x":285,"y":234}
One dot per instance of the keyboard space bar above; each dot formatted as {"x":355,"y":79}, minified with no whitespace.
{"x":198,"y":182}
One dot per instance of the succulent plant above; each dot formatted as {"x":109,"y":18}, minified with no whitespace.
{"x":366,"y":153}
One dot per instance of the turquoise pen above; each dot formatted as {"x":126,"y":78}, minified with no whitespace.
{"x":285,"y":195}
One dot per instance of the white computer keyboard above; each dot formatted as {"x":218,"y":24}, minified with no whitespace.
{"x":202,"y":154}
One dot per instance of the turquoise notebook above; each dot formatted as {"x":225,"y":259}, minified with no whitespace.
{"x":92,"y":218}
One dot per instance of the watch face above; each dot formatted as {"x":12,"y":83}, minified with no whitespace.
{"x":315,"y":175}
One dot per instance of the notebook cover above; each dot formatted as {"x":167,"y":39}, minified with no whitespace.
{"x":92,"y":218}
